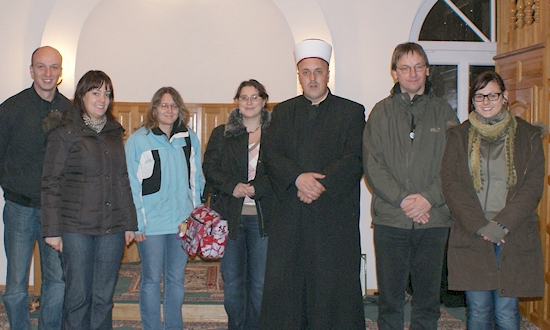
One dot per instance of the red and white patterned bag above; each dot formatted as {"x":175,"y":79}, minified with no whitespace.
{"x":206,"y":233}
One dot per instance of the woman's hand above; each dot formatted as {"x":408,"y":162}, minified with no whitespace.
{"x":250,"y":192}
{"x":241,"y":190}
{"x":489,"y":240}
{"x":140,"y":237}
{"x":55,"y":242}
{"x":129,"y":237}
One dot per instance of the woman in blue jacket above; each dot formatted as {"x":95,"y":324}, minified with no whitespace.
{"x":164,"y":167}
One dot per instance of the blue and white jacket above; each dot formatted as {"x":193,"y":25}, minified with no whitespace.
{"x":159,"y":177}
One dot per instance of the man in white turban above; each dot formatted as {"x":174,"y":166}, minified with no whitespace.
{"x":312,"y":153}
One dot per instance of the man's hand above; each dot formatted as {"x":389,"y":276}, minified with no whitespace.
{"x":416,"y":207}
{"x":309,"y":189}
{"x":303,"y":198}
{"x":55,"y":242}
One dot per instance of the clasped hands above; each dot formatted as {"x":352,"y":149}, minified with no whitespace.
{"x":416,"y":207}
{"x":243,"y":189}
{"x":309,"y":188}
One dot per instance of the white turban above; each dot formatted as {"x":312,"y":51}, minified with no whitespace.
{"x":313,"y":48}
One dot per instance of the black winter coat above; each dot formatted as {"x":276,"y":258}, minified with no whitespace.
{"x":85,"y":186}
{"x":314,"y":250}
{"x":225,"y":165}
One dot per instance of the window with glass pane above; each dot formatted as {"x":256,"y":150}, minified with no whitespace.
{"x":476,"y":70}
{"x":443,"y":23}
{"x":444,"y":79}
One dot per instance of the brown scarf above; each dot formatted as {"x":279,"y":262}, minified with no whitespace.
{"x":478,"y":131}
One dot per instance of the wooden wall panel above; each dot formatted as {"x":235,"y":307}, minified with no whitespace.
{"x":523,"y":59}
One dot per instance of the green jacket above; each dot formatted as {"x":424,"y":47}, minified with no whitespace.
{"x":396,"y":165}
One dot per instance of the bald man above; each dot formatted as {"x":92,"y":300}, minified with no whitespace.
{"x":22,"y":147}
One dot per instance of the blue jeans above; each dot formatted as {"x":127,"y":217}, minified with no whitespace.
{"x":400,"y":252}
{"x":162,"y":254}
{"x":243,"y":270}
{"x":21,"y":230}
{"x":486,"y":307}
{"x":91,"y":266}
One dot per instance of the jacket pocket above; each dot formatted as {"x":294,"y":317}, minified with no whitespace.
{"x":526,"y":238}
{"x":459,"y":238}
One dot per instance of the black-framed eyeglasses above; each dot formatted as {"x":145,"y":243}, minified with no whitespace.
{"x":490,"y":97}
{"x":165,"y":106}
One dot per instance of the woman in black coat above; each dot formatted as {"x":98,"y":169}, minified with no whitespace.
{"x":242,"y":195}
{"x":87,"y":208}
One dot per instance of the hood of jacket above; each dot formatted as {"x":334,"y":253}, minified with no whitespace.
{"x":56,"y":119}
{"x":234,"y":126}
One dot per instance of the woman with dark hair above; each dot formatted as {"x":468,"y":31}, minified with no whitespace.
{"x":242,"y":194}
{"x":493,"y":176}
{"x":87,"y":210}
{"x":164,"y":165}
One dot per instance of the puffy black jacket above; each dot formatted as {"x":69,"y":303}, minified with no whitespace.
{"x":85,"y":187}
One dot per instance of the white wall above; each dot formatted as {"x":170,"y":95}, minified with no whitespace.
{"x":205,"y":48}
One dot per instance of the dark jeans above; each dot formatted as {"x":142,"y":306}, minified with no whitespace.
{"x":91,"y":266}
{"x":243,"y":270}
{"x":21,"y":230}
{"x":400,"y":252}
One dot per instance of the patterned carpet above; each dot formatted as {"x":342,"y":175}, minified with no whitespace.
{"x":203,"y":283}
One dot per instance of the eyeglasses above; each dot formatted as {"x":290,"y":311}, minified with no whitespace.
{"x":418,"y":68}
{"x":490,"y":96}
{"x":165,"y":106}
{"x":245,"y":98}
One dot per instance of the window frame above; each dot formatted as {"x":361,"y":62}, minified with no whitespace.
{"x":460,"y":53}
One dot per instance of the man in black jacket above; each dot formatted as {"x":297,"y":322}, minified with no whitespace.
{"x":22,"y":147}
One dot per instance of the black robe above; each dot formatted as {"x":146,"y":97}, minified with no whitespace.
{"x":313,"y":260}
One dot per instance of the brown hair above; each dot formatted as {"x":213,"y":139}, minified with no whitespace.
{"x":151,"y":120}
{"x":481,"y":81}
{"x":253,"y":83}
{"x":93,"y":79}
{"x":407,"y":48}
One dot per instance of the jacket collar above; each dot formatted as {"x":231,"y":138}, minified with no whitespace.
{"x":396,"y":90}
{"x":181,"y":128}
{"x":234,"y":126}
{"x":38,"y":98}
